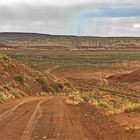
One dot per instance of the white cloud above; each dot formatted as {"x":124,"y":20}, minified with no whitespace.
{"x":136,"y":25}
{"x":115,"y":26}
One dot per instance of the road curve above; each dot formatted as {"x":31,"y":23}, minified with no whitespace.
{"x":42,"y":118}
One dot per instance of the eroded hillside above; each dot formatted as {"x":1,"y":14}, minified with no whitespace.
{"x":17,"y":79}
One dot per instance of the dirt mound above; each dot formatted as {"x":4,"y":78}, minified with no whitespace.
{"x":18,"y":79}
{"x":130,"y":77}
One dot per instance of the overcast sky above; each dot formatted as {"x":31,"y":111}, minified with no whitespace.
{"x":76,"y":17}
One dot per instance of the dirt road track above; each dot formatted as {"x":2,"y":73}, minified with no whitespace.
{"x":42,"y":118}
{"x":60,"y":79}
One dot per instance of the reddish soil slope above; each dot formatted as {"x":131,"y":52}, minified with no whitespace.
{"x":15,"y":77}
{"x":130,"y":77}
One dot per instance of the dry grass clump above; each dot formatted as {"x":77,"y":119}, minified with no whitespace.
{"x":129,"y":107}
{"x":19,"y":78}
{"x":42,"y":94}
{"x":132,"y":107}
{"x":111,"y":103}
{"x":4,"y":57}
{"x":7,"y":92}
{"x":73,"y":99}
{"x":94,"y":100}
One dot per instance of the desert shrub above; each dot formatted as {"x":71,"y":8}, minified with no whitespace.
{"x":93,"y":102}
{"x":4,"y":57}
{"x":41,"y":80}
{"x":56,"y":87}
{"x":47,"y":88}
{"x":67,"y":84}
{"x":89,"y":97}
{"x":113,"y":93}
{"x":126,"y":108}
{"x":51,"y":89}
{"x":73,"y":99}
{"x":60,"y":85}
{"x":16,"y":93}
{"x":132,"y":107}
{"x":85,"y":97}
{"x":19,"y":78}
{"x":95,"y":97}
{"x":103,"y":104}
{"x":2,"y":96}
{"x":6,"y":87}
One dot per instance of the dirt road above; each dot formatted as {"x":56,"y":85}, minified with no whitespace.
{"x":54,"y":75}
{"x":57,"y":78}
{"x":41,"y":118}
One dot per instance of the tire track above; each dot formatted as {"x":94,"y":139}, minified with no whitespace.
{"x":32,"y":121}
{"x":9,"y":112}
{"x":58,"y":78}
{"x":59,"y":122}
{"x":12,"y":127}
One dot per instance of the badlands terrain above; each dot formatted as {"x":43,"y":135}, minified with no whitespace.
{"x":69,"y":88}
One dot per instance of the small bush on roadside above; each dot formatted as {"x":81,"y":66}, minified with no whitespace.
{"x":60,"y":85}
{"x":89,"y":97}
{"x":2,"y":96}
{"x":41,"y":80}
{"x":129,"y":107}
{"x":113,"y":93}
{"x":132,"y":107}
{"x":103,"y":104}
{"x":19,"y":78}
{"x":73,"y":99}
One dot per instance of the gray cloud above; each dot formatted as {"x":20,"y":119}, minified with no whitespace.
{"x":67,"y":17}
{"x":123,"y":26}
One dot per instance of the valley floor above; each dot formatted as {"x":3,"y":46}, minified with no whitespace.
{"x":38,"y":118}
{"x":41,"y":118}
{"x":89,"y":72}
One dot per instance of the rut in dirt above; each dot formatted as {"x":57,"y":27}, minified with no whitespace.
{"x":59,"y":121}
{"x":43,"y":118}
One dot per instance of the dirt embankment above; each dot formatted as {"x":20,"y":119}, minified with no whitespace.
{"x":17,"y":79}
{"x":129,"y":78}
{"x":14,"y":74}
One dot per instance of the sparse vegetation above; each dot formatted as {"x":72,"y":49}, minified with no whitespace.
{"x":7,"y":92}
{"x":84,"y":71}
{"x":132,"y":107}
{"x":41,"y":80}
{"x":19,"y":78}
{"x":74,"y":99}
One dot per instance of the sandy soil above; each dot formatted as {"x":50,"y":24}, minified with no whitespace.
{"x":42,"y":118}
{"x":39,"y":118}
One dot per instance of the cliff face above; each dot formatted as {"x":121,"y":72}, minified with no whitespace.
{"x":69,"y":42}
